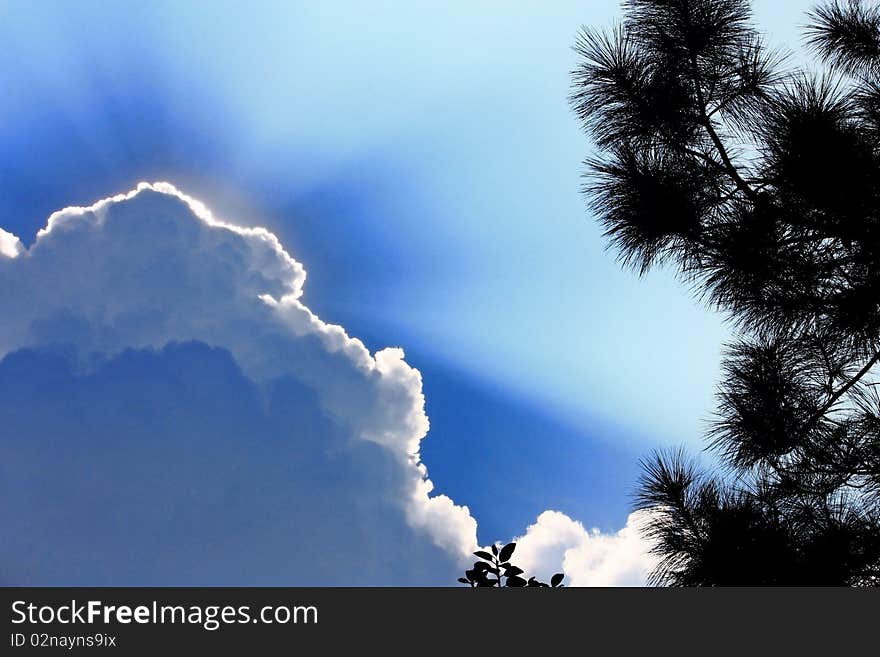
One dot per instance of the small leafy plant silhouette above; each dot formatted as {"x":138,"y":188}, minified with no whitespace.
{"x":495,"y":569}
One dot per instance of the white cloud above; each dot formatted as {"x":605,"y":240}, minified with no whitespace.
{"x":10,"y":245}
{"x":153,"y":267}
{"x":588,"y":558}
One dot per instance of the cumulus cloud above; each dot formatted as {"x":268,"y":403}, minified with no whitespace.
{"x":153,"y":268}
{"x":10,"y":245}
{"x":587,"y":557}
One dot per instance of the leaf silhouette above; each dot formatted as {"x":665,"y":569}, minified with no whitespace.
{"x":483,"y":555}
{"x":507,"y":552}
{"x":556,"y":580}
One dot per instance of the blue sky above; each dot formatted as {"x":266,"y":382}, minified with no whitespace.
{"x":421,"y":161}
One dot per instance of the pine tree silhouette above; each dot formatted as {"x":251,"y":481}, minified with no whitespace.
{"x":761,"y":187}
